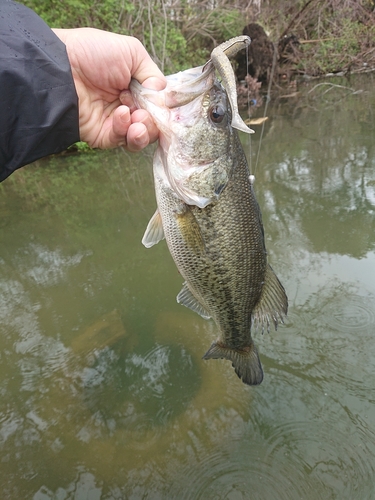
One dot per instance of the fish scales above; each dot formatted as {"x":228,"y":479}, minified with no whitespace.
{"x":228,"y":271}
{"x":210,"y":218}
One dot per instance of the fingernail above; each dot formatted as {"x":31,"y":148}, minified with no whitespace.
{"x":141,"y":140}
{"x":125,"y":117}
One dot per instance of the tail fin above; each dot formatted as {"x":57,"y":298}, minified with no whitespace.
{"x":246,"y":362}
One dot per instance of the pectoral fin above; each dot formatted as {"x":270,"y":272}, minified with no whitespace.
{"x":273,"y":303}
{"x":190,"y":230}
{"x":246,"y":362}
{"x":187,"y":299}
{"x":154,"y":231}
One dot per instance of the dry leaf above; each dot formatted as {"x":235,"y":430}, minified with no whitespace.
{"x":256,"y":121}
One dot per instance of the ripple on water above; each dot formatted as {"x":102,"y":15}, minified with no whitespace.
{"x":348,"y":313}
{"x":306,"y":460}
{"x":328,"y":341}
{"x":345,"y":332}
{"x":331,"y":464}
{"x":238,"y":472}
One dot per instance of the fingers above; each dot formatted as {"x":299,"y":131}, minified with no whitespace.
{"x":137,"y":137}
{"x":133,"y":130}
{"x":126,"y":99}
{"x":141,"y":116}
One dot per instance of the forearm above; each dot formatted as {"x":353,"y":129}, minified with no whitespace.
{"x":38,"y":100}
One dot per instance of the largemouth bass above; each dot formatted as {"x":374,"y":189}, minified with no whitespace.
{"x":207,"y":210}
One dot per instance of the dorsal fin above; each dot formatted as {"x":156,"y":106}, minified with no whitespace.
{"x":273,"y":303}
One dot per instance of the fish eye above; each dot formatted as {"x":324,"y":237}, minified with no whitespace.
{"x":217,"y":113}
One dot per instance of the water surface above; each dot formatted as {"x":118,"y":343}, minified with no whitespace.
{"x":103,"y":392}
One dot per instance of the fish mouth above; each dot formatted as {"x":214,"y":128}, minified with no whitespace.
{"x":184,"y":93}
{"x":182,"y":88}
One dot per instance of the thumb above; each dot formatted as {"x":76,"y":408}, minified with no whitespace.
{"x":154,"y":83}
{"x":144,"y":68}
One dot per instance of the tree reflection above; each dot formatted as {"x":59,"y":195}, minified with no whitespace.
{"x":316,"y":174}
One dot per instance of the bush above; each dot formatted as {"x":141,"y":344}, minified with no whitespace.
{"x":177,"y":38}
{"x":335,"y":35}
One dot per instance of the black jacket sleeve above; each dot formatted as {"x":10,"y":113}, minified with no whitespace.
{"x":38,"y":100}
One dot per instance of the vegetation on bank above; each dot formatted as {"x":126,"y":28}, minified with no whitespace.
{"x":334,"y":35}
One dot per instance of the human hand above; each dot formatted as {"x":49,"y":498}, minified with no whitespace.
{"x":103,"y":64}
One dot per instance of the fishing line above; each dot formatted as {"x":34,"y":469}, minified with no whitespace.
{"x":268,"y":99}
{"x":248,"y":106}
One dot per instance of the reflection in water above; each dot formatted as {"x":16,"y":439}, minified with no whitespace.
{"x":104,"y":394}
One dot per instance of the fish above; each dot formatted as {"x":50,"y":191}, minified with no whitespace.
{"x":207,"y":210}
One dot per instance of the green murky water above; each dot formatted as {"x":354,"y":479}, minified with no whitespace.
{"x":103,"y":392}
